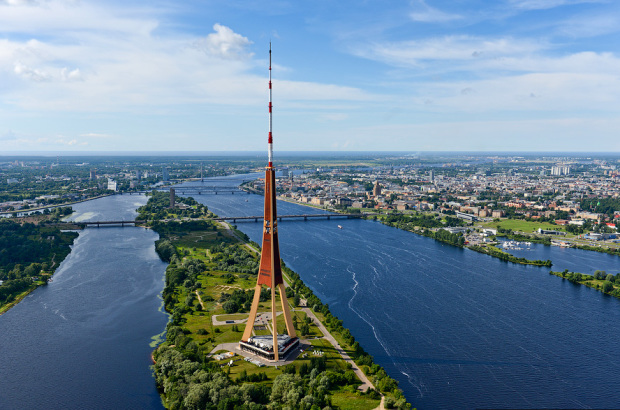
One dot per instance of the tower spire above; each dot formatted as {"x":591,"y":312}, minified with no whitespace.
{"x":270,"y":270}
{"x":270,"y":139}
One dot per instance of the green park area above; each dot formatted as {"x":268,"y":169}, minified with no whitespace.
{"x":520,"y":225}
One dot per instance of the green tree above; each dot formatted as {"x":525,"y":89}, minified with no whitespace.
{"x":230,"y":307}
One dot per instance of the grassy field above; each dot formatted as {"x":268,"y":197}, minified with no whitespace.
{"x":346,"y":400}
{"x":522,"y":226}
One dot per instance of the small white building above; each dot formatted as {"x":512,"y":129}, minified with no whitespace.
{"x":112,"y":185}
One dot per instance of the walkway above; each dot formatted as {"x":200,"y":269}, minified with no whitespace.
{"x":366,"y":384}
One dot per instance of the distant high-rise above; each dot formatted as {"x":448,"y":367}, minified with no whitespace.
{"x":164,"y":174}
{"x":376,"y":189}
{"x":93,"y":174}
{"x":432,"y":176}
{"x":560,"y":170}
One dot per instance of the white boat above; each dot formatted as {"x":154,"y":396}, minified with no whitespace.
{"x":511,"y":245}
{"x":339,"y":227}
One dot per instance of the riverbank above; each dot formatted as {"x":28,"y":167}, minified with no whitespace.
{"x":30,"y":256}
{"x":5,"y":308}
{"x":505,"y":256}
{"x":42,"y":208}
{"x":608,"y":287}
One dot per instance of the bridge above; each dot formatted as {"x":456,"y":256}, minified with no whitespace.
{"x":305,"y":217}
{"x":195,"y":189}
{"x":209,"y":191}
{"x":107,"y":223}
{"x":234,"y":219}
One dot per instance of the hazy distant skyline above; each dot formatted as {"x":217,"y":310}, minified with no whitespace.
{"x":515,"y":75}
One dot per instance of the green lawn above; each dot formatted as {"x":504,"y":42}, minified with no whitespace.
{"x":346,"y":400}
{"x":522,"y":226}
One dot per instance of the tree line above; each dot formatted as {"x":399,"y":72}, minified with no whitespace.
{"x":27,"y":253}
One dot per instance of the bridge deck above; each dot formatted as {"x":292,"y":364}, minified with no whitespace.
{"x":225,"y":218}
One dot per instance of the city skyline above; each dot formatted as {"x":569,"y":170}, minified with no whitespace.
{"x":519,"y":75}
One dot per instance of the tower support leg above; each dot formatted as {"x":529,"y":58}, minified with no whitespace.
{"x":286,"y":312}
{"x":247,"y":333}
{"x":274,"y":325}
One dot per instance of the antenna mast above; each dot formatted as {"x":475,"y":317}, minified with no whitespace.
{"x":270,"y":140}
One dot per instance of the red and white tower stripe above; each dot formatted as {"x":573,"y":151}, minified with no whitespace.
{"x":270,"y":140}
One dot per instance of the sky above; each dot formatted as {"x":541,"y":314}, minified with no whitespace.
{"x":384,"y":75}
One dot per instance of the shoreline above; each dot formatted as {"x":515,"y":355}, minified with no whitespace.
{"x":55,"y":206}
{"x":46,"y":276}
{"x":586,"y":280}
{"x":4,"y":309}
{"x":508,"y":258}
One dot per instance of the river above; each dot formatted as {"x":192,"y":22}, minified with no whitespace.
{"x":84,"y":340}
{"x":457,"y":329}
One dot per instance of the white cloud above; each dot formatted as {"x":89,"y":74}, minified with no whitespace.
{"x":96,"y":135}
{"x":68,"y":142}
{"x":225,"y":43}
{"x":426,"y":14}
{"x":589,"y":25}
{"x":412,"y":53}
{"x":18,"y":2}
{"x":299,"y":90}
{"x":70,"y":75}
{"x":546,"y":4}
{"x":66,"y":18}
{"x":30,"y":73}
{"x":90,"y":59}
{"x":553,"y":92}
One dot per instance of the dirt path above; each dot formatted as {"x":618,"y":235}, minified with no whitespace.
{"x":200,"y":301}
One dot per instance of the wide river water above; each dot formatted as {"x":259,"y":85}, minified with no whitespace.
{"x":456,"y":328}
{"x":84,"y":340}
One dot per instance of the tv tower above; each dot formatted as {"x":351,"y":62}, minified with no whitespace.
{"x":270,"y":270}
